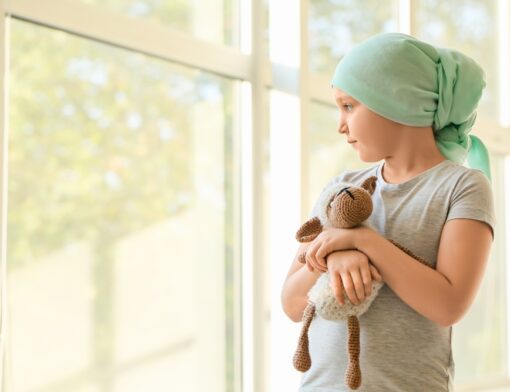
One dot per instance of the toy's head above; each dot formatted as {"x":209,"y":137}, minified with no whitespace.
{"x":341,"y":205}
{"x":351,"y":205}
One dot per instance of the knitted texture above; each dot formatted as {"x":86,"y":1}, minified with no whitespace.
{"x":350,"y":209}
{"x":327,"y":306}
{"x":403,"y":248}
{"x":302,"y":360}
{"x":309,"y":230}
{"x":353,"y":372}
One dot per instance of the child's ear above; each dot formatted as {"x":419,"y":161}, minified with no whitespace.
{"x":310,"y":230}
{"x":369,"y":184}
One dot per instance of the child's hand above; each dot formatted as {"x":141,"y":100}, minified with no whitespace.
{"x":352,"y":272}
{"x":328,"y":241}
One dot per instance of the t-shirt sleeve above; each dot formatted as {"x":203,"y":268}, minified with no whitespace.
{"x":473,"y":199}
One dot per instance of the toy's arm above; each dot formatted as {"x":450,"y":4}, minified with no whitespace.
{"x":409,"y":252}
{"x":309,"y":230}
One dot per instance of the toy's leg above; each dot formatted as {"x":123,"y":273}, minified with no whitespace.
{"x":302,"y":360}
{"x":353,"y":373}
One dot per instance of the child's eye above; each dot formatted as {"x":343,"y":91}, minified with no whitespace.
{"x":347,"y":107}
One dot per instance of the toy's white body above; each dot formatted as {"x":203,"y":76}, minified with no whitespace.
{"x":326,"y":305}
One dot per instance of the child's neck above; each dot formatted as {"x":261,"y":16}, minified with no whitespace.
{"x":395,"y":174}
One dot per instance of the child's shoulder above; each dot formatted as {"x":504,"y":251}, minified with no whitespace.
{"x":461,"y":176}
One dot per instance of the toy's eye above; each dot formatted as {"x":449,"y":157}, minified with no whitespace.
{"x":346,"y":189}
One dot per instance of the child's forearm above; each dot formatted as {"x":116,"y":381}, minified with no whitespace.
{"x":295,"y":292}
{"x":423,"y":288}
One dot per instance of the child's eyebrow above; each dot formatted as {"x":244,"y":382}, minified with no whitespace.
{"x":338,"y":97}
{"x":343,"y":98}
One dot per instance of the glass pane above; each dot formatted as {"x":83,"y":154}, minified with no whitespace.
{"x":330,"y":154}
{"x":467,"y":26}
{"x":284,"y":220}
{"x":480,"y":339}
{"x":115,"y":176}
{"x":337,"y":25}
{"x":212,"y":20}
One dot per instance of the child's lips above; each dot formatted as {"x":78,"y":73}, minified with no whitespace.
{"x":351,"y":141}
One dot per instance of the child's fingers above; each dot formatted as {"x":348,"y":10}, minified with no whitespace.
{"x":308,"y":261}
{"x":319,"y":266}
{"x":366,"y":276}
{"x":349,"y":287}
{"x":336,"y":286}
{"x":321,"y":256}
{"x":322,"y":263}
{"x":375,"y":273}
{"x":310,"y":264}
{"x":310,"y":258}
{"x":359,"y":287}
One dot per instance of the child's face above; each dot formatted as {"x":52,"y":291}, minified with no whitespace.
{"x":372,"y":135}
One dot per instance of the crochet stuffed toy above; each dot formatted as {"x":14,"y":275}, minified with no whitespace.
{"x":341,"y":205}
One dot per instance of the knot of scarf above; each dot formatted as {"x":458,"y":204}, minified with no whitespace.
{"x":460,"y":83}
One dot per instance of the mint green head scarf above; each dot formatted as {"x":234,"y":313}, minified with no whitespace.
{"x":414,"y":83}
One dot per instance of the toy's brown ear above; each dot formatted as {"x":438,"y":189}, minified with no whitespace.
{"x":309,"y":231}
{"x":369,"y":184}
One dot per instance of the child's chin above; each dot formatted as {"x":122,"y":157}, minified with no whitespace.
{"x":368,"y":158}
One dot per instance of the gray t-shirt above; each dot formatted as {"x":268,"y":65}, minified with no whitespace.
{"x":401,"y":350}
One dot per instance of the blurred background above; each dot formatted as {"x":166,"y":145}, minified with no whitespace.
{"x":158,"y":157}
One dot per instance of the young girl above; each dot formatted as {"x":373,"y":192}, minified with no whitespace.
{"x":411,"y":106}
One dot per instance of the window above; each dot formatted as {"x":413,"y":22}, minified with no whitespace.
{"x":336,"y":26}
{"x":121,"y":242}
{"x":216,"y":21}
